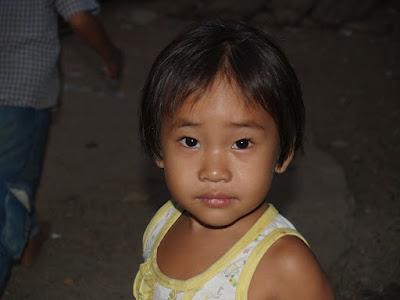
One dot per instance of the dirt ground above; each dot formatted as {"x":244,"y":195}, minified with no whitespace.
{"x":99,"y":190}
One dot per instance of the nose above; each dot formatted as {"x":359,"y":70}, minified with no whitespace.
{"x":215,"y":168}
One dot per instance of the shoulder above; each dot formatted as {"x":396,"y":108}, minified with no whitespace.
{"x":289,"y":270}
{"x":165,"y":216}
{"x":161,"y":216}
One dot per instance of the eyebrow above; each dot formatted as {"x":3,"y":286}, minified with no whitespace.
{"x":182,"y":123}
{"x":247,"y":124}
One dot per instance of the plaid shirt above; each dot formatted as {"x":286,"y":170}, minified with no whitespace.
{"x":30,"y":48}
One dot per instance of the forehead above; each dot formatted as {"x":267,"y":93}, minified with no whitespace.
{"x":222,"y":101}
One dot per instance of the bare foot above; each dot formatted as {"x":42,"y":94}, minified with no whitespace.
{"x":34,"y":245}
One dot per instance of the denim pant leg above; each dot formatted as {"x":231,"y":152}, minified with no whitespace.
{"x":23,"y":135}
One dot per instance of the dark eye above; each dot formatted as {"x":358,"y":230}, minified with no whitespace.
{"x":189,"y":142}
{"x":242,"y":144}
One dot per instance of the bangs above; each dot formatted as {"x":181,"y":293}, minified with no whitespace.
{"x":197,"y":72}
{"x":241,"y":55}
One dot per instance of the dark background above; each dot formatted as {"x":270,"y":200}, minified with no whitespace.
{"x":99,"y":190}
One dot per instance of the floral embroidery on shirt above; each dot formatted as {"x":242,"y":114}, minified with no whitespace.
{"x":222,"y":285}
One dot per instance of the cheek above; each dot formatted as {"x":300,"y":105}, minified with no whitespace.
{"x":257,"y":174}
{"x":178,"y":175}
{"x":261,"y":162}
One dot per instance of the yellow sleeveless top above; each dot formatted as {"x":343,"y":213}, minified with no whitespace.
{"x":228,"y":278}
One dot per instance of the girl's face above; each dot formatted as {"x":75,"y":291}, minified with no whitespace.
{"x":219,"y":156}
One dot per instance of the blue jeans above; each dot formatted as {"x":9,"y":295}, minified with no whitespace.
{"x":23,"y":136}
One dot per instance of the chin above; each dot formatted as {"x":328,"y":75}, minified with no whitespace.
{"x":216,"y":223}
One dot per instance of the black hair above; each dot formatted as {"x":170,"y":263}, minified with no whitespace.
{"x":246,"y":55}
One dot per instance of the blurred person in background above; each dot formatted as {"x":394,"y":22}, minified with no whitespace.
{"x":29,"y":88}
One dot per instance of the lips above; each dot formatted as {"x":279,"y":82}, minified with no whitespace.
{"x":216,"y":200}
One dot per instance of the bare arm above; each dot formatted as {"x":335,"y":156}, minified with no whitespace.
{"x":89,"y":28}
{"x":288,"y":271}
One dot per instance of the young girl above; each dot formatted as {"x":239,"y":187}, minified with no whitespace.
{"x":221,"y":113}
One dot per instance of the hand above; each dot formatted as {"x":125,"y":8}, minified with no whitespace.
{"x":113,"y":66}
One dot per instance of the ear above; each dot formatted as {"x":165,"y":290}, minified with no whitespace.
{"x":160,"y":163}
{"x":282,"y":168}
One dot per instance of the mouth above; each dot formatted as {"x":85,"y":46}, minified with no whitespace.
{"x":216,"y":200}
